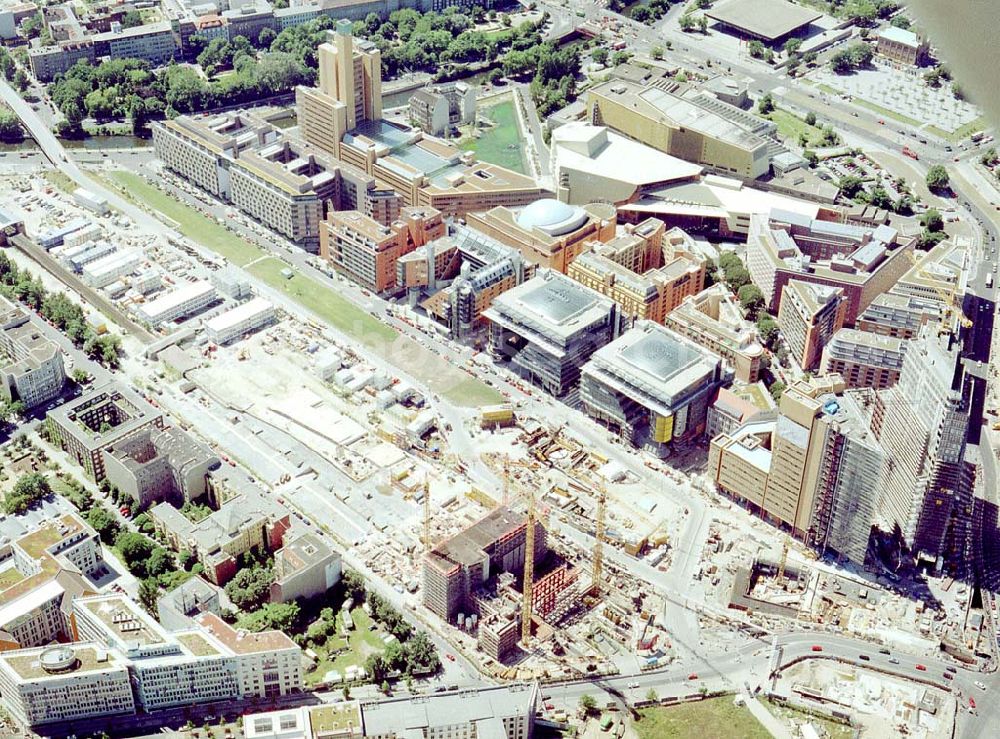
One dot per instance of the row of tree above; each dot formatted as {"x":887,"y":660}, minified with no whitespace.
{"x":59,"y":310}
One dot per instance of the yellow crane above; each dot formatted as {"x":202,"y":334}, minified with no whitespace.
{"x":949,"y":299}
{"x":529,"y":571}
{"x":598,"y":564}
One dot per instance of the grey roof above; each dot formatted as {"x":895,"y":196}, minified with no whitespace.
{"x":486,"y":708}
{"x":769,"y":19}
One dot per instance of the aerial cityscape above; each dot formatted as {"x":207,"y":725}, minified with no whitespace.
{"x":454,"y":370}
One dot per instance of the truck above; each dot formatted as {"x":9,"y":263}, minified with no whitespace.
{"x":908,"y":152}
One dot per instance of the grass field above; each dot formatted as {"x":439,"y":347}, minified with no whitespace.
{"x":9,"y":577}
{"x":361,"y":643}
{"x":790,"y":126}
{"x":324,"y":302}
{"x":59,"y":181}
{"x":887,"y":112}
{"x":833,"y":729}
{"x":500,"y":144}
{"x":717,"y":718}
{"x":190,"y":222}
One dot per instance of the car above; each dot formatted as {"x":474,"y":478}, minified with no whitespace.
{"x":948,"y":676}
{"x":893,"y":661}
{"x":921,"y":668}
{"x":865,"y":657}
{"x":951,"y":668}
{"x":633,"y":686}
{"x":451,"y":657}
{"x":972,"y":702}
{"x":549,"y":707}
{"x":817,"y":648}
{"x":883,"y":650}
{"x":980,"y":685}
{"x":693,"y":676}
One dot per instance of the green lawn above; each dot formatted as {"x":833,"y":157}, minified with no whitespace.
{"x":834,"y":730}
{"x":715,"y":718}
{"x":887,"y":112}
{"x":9,"y":577}
{"x":361,"y":643}
{"x":790,"y":126}
{"x":500,"y":144}
{"x":59,"y":180}
{"x":190,"y":222}
{"x":962,"y":131}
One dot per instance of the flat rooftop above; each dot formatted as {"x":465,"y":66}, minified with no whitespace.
{"x":122,"y":619}
{"x":406,"y":717}
{"x":244,"y":642}
{"x":335,"y":718}
{"x":467,"y":546}
{"x":27,"y":664}
{"x":765,"y":19}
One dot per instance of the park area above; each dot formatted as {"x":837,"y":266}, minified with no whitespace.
{"x":499,"y":142}
{"x":341,"y":652}
{"x":718,"y":718}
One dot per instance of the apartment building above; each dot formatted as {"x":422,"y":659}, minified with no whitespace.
{"x":864,"y":263}
{"x":922,"y":422}
{"x":125,"y":663}
{"x":249,"y":520}
{"x":548,"y":233}
{"x":456,"y":567}
{"x":304,"y":567}
{"x":809,"y":316}
{"x":86,"y":426}
{"x":46,"y":568}
{"x":898,"y":316}
{"x":436,"y":109}
{"x":31,"y":366}
{"x":363,"y":249}
{"x":153,"y":465}
{"x":736,"y":405}
{"x":237,"y":322}
{"x":652,"y":385}
{"x":864,"y":359}
{"x":711,"y":319}
{"x":548,"y":327}
{"x":189,"y":299}
{"x":151,"y":42}
{"x":658,"y":116}
{"x":650,"y":294}
{"x":939,"y":275}
{"x":349,"y":90}
{"x":902,"y":46}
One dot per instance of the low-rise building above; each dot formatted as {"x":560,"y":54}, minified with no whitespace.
{"x":901,"y":46}
{"x":89,"y":424}
{"x":809,"y":317}
{"x":652,"y":385}
{"x":737,"y":405}
{"x":102,"y":272}
{"x":237,"y":322}
{"x":899,"y":316}
{"x":304,"y":567}
{"x":31,"y":366}
{"x":712,"y":320}
{"x":865,"y":359}
{"x":548,"y":327}
{"x":436,"y":109}
{"x":181,"y":302}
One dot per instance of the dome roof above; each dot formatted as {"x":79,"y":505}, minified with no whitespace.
{"x":551,"y":216}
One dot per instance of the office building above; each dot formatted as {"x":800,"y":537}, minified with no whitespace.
{"x":548,"y":327}
{"x":455,"y":568}
{"x":938,"y":275}
{"x":736,"y":405}
{"x":809,"y":316}
{"x":898,"y":316}
{"x":43,"y":571}
{"x":178,"y":608}
{"x":647,"y":276}
{"x":922,"y":422}
{"x":593,"y":164}
{"x":437,"y":109}
{"x":713,"y":320}
{"x":660,"y":117}
{"x":349,"y":90}
{"x":153,"y":465}
{"x":652,"y":385}
{"x":304,"y":567}
{"x":86,"y":426}
{"x":363,"y":249}
{"x":240,"y":321}
{"x":249,"y":520}
{"x":864,"y":359}
{"x":31,"y":366}
{"x":864,"y":263}
{"x":189,"y":299}
{"x":548,"y":233}
{"x":125,"y":663}
{"x":901,"y":46}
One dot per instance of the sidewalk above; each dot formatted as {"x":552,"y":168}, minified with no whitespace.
{"x":767,"y":719}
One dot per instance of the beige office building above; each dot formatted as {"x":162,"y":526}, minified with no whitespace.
{"x":349,"y":90}
{"x":864,"y":359}
{"x":809,"y":317}
{"x":713,"y":320}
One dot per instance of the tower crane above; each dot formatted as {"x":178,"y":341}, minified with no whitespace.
{"x":427,"y":514}
{"x":783,"y":561}
{"x":598,"y":564}
{"x":949,"y":299}
{"x":529,"y":571}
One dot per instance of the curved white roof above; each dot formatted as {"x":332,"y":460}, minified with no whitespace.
{"x":551,"y":216}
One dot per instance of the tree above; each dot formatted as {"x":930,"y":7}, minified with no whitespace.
{"x":767,"y":327}
{"x":792,"y":46}
{"x":160,"y":562}
{"x":651,"y":695}
{"x":989,"y":157}
{"x":656,"y":52}
{"x":619,"y":58}
{"x":134,"y":549}
{"x":901,"y":21}
{"x":280,"y":616}
{"x":880,"y":198}
{"x":751,"y":299}
{"x":777,"y":389}
{"x":250,"y":588}
{"x":850,"y":185}
{"x":811,"y":157}
{"x":27,"y":491}
{"x":353,"y":584}
{"x":810,"y":118}
{"x":756,"y":49}
{"x":149,"y":593}
{"x":10,"y":125}
{"x":80,"y":376}
{"x":641,"y":14}
{"x":687,"y":22}
{"x":377,"y":667}
{"x":765,"y":105}
{"x":588,"y":704}
{"x":932,"y":220}
{"x":937,"y":178}
{"x":703,"y":28}
{"x":103,"y":523}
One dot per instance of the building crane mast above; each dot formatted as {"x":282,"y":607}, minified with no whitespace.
{"x":427,"y":514}
{"x":784,"y":561}
{"x":529,"y":571}
{"x":506,"y":479}
{"x":598,"y":565}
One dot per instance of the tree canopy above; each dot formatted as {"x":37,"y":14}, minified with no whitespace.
{"x":27,"y":491}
